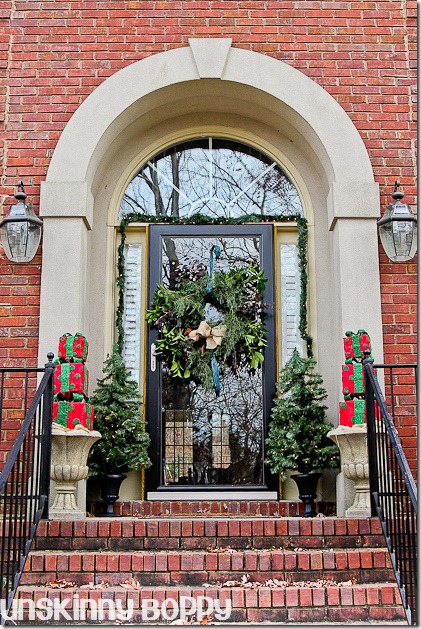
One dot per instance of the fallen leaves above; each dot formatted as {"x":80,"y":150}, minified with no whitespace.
{"x":102,"y":585}
{"x":206,"y":620}
{"x":131,"y":584}
{"x":245,"y":582}
{"x":60,"y":584}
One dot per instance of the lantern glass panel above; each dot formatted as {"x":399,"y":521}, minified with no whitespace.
{"x":399,"y":237}
{"x":20,"y":238}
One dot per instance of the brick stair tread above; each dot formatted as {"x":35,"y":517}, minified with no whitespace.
{"x":197,"y":566}
{"x":368,"y":602}
{"x":213,"y":508}
{"x":274,"y":558}
{"x":328,"y":525}
{"x":187,"y":533}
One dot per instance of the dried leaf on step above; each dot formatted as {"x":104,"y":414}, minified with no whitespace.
{"x":206,"y":620}
{"x":60,"y":584}
{"x":352,"y":581}
{"x":231,"y":584}
{"x":219,"y":549}
{"x":275,"y":583}
{"x":131,"y":584}
{"x":102,"y":585}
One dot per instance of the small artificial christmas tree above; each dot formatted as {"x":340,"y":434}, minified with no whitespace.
{"x":297,"y":433}
{"x":119,"y":419}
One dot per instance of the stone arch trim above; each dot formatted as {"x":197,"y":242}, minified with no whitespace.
{"x":67,"y":196}
{"x":305,"y":105}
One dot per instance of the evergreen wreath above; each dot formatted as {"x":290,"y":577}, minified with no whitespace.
{"x":198,"y":349}
{"x":200,"y":219}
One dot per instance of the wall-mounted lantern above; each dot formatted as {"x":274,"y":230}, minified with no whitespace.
{"x":20,"y":230}
{"x":398,"y":229}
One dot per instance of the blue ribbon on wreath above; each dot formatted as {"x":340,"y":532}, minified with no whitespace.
{"x":215,"y":249}
{"x":215,"y":252}
{"x":215,"y":373}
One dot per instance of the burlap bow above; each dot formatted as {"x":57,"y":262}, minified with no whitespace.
{"x":213,"y":336}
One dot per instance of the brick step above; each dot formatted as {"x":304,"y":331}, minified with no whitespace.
{"x":203,"y":533}
{"x":294,"y":604}
{"x":212,"y":508}
{"x":199,"y":567}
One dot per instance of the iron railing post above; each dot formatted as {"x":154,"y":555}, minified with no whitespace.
{"x":371,"y":435}
{"x":47,"y":418}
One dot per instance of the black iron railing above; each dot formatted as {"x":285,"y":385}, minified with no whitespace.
{"x":25,"y":477}
{"x":392,"y":486}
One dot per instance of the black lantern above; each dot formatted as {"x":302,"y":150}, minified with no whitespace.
{"x":20,"y":230}
{"x":398,"y":229}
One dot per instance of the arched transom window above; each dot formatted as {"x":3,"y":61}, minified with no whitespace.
{"x":213,"y":177}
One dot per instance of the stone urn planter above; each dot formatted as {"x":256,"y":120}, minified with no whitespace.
{"x":352,"y":443}
{"x":69,"y":453}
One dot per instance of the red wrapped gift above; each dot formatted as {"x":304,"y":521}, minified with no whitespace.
{"x":356,"y":344}
{"x":73,"y":348}
{"x":352,"y":379}
{"x":352,"y":412}
{"x":71,"y":414}
{"x":71,"y":378}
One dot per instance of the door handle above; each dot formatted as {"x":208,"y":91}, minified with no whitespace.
{"x":153,"y":357}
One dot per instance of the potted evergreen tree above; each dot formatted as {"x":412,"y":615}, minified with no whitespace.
{"x":297,"y":433}
{"x":119,"y":418}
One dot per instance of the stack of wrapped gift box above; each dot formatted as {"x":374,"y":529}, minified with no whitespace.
{"x":71,"y":406}
{"x":352,"y":409}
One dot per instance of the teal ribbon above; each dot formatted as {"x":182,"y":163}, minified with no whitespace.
{"x":215,"y":249}
{"x":215,"y":372}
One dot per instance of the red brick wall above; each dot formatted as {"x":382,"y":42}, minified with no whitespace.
{"x":54,"y":53}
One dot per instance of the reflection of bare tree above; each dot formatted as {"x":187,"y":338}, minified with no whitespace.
{"x":169,"y":269}
{"x":183,"y":250}
{"x":214,"y":177}
{"x":175,"y":195}
{"x":241,"y":399}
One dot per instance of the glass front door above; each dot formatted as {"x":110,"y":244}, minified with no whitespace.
{"x":202,"y":440}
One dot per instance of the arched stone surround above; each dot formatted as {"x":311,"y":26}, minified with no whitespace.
{"x":209,"y":87}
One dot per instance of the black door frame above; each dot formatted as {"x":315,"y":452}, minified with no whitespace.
{"x":156,"y":232}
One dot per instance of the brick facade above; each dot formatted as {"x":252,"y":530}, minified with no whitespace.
{"x":53,"y":55}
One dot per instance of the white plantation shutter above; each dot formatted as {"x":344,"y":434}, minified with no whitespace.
{"x":290,"y":300}
{"x":131,"y":317}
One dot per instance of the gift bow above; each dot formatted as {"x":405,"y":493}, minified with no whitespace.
{"x":213,"y":336}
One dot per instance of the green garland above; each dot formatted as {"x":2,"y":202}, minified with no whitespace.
{"x":302,"y":264}
{"x":200,"y":219}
